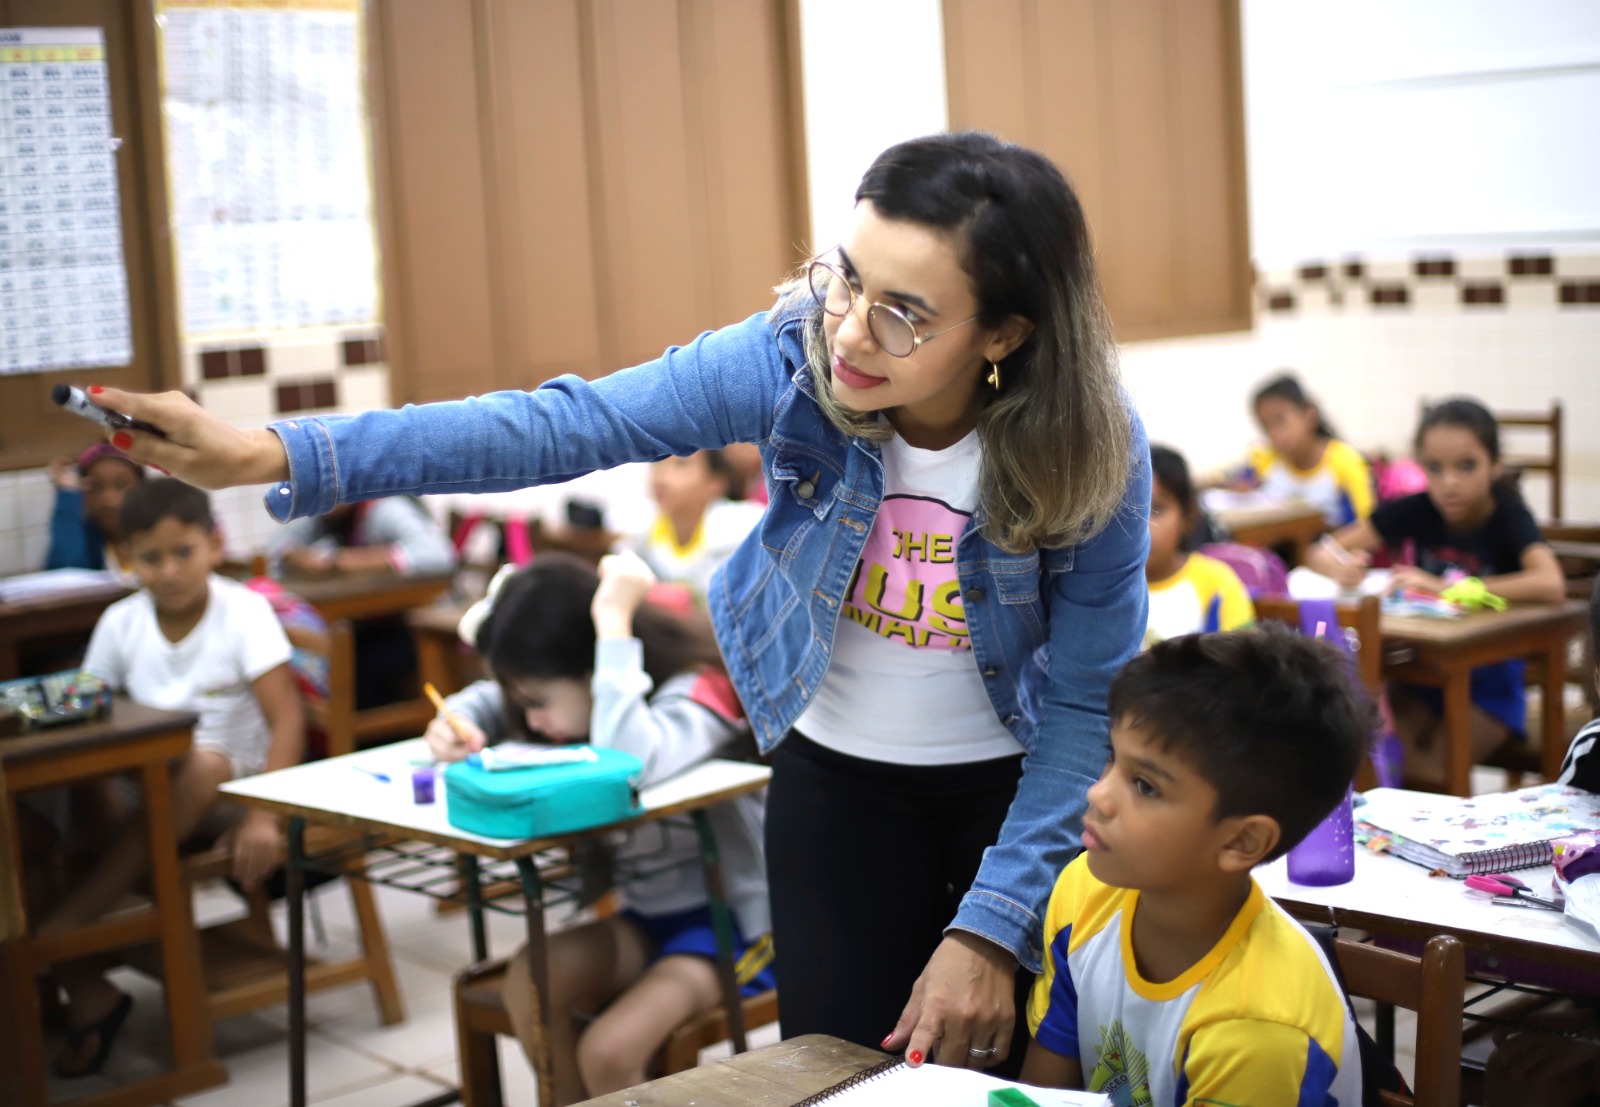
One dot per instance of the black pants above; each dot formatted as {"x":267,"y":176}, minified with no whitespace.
{"x":867,"y":863}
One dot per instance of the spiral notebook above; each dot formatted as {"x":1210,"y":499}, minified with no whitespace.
{"x":1484,"y":834}
{"x":894,"y":1083}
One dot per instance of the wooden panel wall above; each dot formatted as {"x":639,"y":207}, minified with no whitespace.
{"x":1140,"y":102}
{"x":32,"y":429}
{"x":573,"y":185}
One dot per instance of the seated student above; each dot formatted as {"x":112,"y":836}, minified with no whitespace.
{"x":194,"y":641}
{"x":1470,"y":523}
{"x":1189,"y":592}
{"x":1581,"y":768}
{"x":84,"y":529}
{"x":697,"y":526}
{"x":579,"y":656}
{"x":1169,"y":976}
{"x":396,"y":533}
{"x":1305,"y":460}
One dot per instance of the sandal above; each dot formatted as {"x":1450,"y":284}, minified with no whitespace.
{"x":107,"y":1027}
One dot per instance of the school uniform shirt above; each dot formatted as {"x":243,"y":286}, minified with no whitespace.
{"x":211,"y":672}
{"x":1414,"y":532}
{"x":902,"y":685}
{"x":1340,"y":485}
{"x":1202,"y":597}
{"x":722,"y":528}
{"x":1259,"y":1020}
{"x":1581,"y":768}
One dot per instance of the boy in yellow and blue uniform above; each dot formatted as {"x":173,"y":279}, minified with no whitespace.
{"x":1169,"y":977}
{"x":1189,"y":592}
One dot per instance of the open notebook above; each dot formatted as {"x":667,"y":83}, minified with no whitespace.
{"x":1485,"y":834}
{"x":895,"y":1083}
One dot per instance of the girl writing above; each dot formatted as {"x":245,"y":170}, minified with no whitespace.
{"x":575,"y":657}
{"x":1469,"y":523}
{"x":923,"y":628}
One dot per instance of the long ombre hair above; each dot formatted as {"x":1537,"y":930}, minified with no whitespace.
{"x":1058,"y":435}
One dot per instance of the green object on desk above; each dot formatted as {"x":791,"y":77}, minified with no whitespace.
{"x":1472,"y":595}
{"x":1009,"y":1097}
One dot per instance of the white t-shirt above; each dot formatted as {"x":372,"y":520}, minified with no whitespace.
{"x":210,"y":672}
{"x":903,"y":685}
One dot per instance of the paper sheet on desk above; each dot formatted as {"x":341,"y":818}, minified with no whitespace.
{"x":1583,"y":904}
{"x":936,"y":1086}
{"x":1305,"y":584}
{"x":49,"y":584}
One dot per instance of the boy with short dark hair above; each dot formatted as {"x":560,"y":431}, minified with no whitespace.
{"x":1169,"y":976}
{"x":1581,"y":769}
{"x":194,"y":641}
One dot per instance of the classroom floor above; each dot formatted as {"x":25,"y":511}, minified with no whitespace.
{"x":352,"y":1061}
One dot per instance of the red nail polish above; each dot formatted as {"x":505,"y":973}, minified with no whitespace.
{"x":122,"y":440}
{"x":915,"y":1056}
{"x":885,"y":1043}
{"x":95,"y":390}
{"x":160,"y":470}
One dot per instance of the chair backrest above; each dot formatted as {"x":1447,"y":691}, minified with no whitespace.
{"x":1433,"y":987}
{"x":1362,"y":618}
{"x":1549,"y":462}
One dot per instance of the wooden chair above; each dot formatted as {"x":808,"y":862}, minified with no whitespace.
{"x":481,"y":1015}
{"x":1363,"y":619}
{"x":1549,"y":462}
{"x":346,"y":728}
{"x":1433,"y":987}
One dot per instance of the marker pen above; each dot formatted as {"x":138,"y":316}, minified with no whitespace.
{"x":77,"y":401}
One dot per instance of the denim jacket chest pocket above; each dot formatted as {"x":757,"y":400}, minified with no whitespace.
{"x":1022,"y":582}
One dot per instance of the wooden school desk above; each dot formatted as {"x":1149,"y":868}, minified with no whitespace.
{"x":366,"y":595}
{"x":1268,"y":524}
{"x":53,"y":617}
{"x":145,"y":741}
{"x":778,"y":1076}
{"x":401,"y":849}
{"x":1441,"y":653}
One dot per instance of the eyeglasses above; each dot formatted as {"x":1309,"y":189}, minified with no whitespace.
{"x":895,"y":334}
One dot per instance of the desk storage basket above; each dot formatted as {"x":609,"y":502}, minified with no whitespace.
{"x":544,"y":801}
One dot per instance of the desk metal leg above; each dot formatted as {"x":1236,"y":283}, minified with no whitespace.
{"x":722,"y":923}
{"x":472,"y":883}
{"x":295,"y":896}
{"x":539,"y":968}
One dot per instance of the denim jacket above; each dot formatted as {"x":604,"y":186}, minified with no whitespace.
{"x":1048,"y":628}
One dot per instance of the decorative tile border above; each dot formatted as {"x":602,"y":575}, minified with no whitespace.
{"x":290,"y":373}
{"x":1434,"y":281}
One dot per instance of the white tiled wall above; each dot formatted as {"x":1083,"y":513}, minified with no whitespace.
{"x":1370,"y":368}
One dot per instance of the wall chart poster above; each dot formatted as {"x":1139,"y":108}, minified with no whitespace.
{"x":271,"y":192}
{"x":63,"y":285}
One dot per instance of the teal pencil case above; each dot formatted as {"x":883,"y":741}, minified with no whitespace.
{"x":545,"y":800}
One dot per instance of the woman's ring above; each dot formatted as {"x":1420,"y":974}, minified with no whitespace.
{"x":990,"y":1052}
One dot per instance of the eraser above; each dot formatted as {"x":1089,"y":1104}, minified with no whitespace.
{"x":1009,"y":1097}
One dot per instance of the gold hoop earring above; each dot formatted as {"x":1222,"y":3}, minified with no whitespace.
{"x":994,"y":375}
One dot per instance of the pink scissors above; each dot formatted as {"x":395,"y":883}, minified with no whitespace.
{"x":1510,"y":890}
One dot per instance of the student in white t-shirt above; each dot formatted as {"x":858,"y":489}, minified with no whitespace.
{"x":697,"y":525}
{"x":188,"y":640}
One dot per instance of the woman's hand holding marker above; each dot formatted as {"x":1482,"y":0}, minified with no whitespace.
{"x":199,"y":448}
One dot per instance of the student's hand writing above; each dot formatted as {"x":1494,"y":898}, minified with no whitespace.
{"x":309,"y":559}
{"x":1409,"y":576}
{"x":199,"y":448}
{"x":257,"y":848}
{"x":64,"y":473}
{"x":446,"y":745}
{"x":625,"y":580}
{"x":964,"y":1000}
{"x":1348,"y":567}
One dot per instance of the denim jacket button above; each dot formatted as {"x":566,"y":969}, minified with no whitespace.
{"x":973,"y":595}
{"x":805,"y":489}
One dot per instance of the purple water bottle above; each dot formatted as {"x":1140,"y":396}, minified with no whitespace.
{"x":1328,"y":854}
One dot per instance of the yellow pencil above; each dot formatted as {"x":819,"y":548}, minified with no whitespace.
{"x":450,"y":717}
